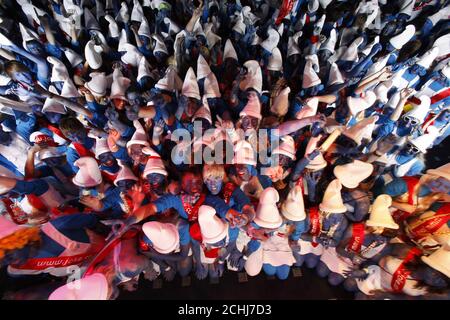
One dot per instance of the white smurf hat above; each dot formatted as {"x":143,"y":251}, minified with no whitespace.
{"x":332,"y":199}
{"x":211,"y":87}
{"x":267,"y":214}
{"x":244,"y":153}
{"x":229,"y":51}
{"x":401,"y":39}
{"x":101,"y":146}
{"x":190,"y":86}
{"x":293,"y":207}
{"x":154,"y":163}
{"x":351,"y":174}
{"x":119,"y":85}
{"x":89,"y":174}
{"x":170,"y":82}
{"x":271,"y":42}
{"x":275,"y":61}
{"x":59,"y":70}
{"x":362,"y":129}
{"x":125,"y":173}
{"x":202,"y":67}
{"x":164,"y":236}
{"x":253,"y":79}
{"x":212,"y":228}
{"x":139,"y":136}
{"x":286,"y":147}
{"x":69,"y":90}
{"x":98,"y":84}
{"x":358,"y":104}
{"x":380,"y":216}
{"x":92,"y":287}
{"x":252,"y":108}
{"x":51,"y":105}
{"x":335,"y":76}
{"x":93,"y":54}
{"x":425,"y":141}
{"x":113,"y":28}
{"x":428,"y":57}
{"x":310,"y":77}
{"x":73,"y":57}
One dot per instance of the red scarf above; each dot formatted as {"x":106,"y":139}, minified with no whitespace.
{"x":314,"y":219}
{"x":401,"y":274}
{"x":192,"y":210}
{"x":17,"y":215}
{"x":357,"y":238}
{"x":411,"y":183}
{"x":82,"y":150}
{"x":286,"y":8}
{"x":431,"y":225}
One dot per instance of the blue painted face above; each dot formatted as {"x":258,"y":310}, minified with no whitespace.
{"x":157,"y":182}
{"x":125,"y":185}
{"x":76,"y":137}
{"x":53,"y":117}
{"x":36,"y":48}
{"x":214,"y":184}
{"x":244,"y":171}
{"x":25,"y":77}
{"x":107,"y":159}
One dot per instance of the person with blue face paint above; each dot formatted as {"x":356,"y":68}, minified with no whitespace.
{"x":125,"y":181}
{"x":363,"y":244}
{"x":406,"y":273}
{"x":108,"y":163}
{"x":168,"y":246}
{"x":212,"y":240}
{"x":332,"y":225}
{"x":214,"y":177}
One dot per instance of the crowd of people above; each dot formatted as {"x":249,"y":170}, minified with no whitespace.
{"x":159,"y":138}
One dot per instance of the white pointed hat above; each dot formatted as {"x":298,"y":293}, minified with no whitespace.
{"x":113,"y":28}
{"x":69,"y":90}
{"x":310,"y":77}
{"x":198,"y":29}
{"x":143,"y":69}
{"x":170,"y":81}
{"x":164,"y":236}
{"x":439,"y":260}
{"x":173,"y":27}
{"x":271,"y":41}
{"x":382,"y":89}
{"x":420,"y":111}
{"x":318,"y":162}
{"x":324,"y":3}
{"x":73,"y":57}
{"x":369,"y":47}
{"x":253,"y":79}
{"x":330,"y":43}
{"x":351,"y":54}
{"x":428,"y":57}
{"x":144,"y":29}
{"x":203,"y":112}
{"x":132,"y":55}
{"x":51,"y":105}
{"x":59,"y":70}
{"x":267,"y":214}
{"x":361,"y":130}
{"x":229,"y":51}
{"x":119,"y":85}
{"x":212,"y":228}
{"x":443,"y":43}
{"x":244,"y":153}
{"x":286,"y":147}
{"x":380,"y":216}
{"x":190,"y":86}
{"x":202,"y":67}
{"x":358,"y":104}
{"x":401,"y":39}
{"x":91,"y":287}
{"x":425,"y":141}
{"x":137,"y":13}
{"x":98,"y":84}
{"x":32,"y":12}
{"x":211,"y":87}
{"x":351,"y":174}
{"x":280,"y":103}
{"x":335,"y":76}
{"x":90,"y":22}
{"x":211,"y":37}
{"x":332,"y":199}
{"x":293,"y":47}
{"x":308,"y":110}
{"x":124,"y":173}
{"x":101,"y":147}
{"x":293,"y":207}
{"x":123,"y":15}
{"x":239,"y":26}
{"x":160,"y":46}
{"x":154,"y":163}
{"x":123,"y":40}
{"x":248,"y":15}
{"x":93,"y":54}
{"x":393,"y":100}
{"x":275,"y":61}
{"x":252,"y":108}
{"x":27,"y":35}
{"x":5,"y":41}
{"x":139,"y":136}
{"x":378,"y":65}
{"x":89,"y":174}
